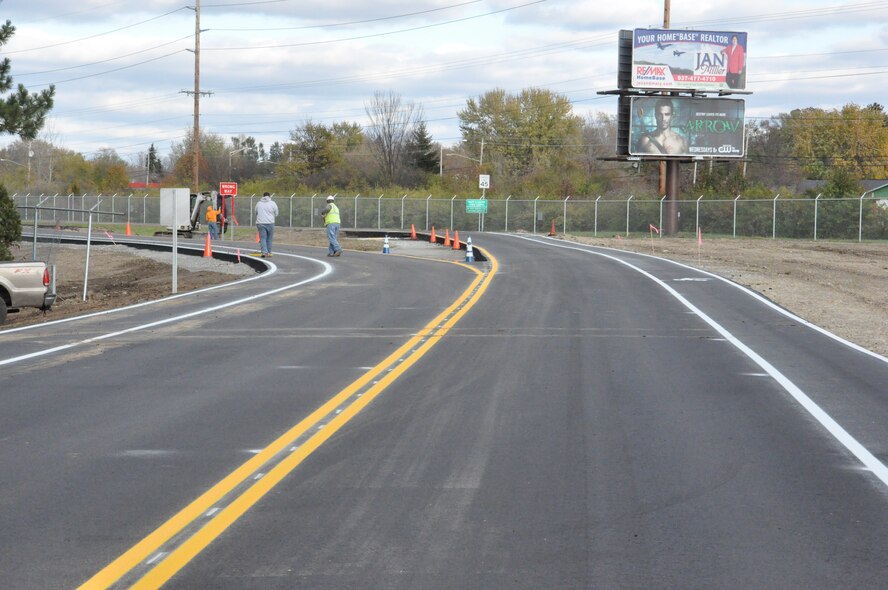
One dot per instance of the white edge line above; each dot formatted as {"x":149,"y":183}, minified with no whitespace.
{"x":327,"y":270}
{"x":272,"y":268}
{"x":759,"y":297}
{"x":843,"y":436}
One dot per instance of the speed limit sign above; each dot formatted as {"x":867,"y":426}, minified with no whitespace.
{"x":484,"y":181}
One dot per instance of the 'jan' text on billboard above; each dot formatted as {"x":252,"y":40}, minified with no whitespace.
{"x":688,"y":60}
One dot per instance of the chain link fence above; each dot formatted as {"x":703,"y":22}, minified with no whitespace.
{"x":852,"y":218}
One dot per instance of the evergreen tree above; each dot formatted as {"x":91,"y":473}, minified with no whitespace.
{"x":21,"y":113}
{"x":422,"y":151}
{"x":10,"y":224}
{"x":155,"y":166}
{"x":275,"y":152}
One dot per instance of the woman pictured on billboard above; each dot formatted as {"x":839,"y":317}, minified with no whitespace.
{"x":736,"y":63}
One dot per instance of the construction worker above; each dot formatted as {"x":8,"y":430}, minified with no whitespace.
{"x":266,"y":211}
{"x":330,"y":213}
{"x":212,"y":221}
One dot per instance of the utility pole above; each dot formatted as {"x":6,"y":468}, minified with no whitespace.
{"x":195,"y":146}
{"x":196,"y":140}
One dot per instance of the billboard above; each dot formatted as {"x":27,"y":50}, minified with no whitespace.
{"x":686,"y":126}
{"x":670,"y":59}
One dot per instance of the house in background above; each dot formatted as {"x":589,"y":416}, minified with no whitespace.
{"x":872,"y":189}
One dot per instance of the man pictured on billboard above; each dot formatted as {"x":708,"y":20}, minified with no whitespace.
{"x":736,"y":63}
{"x":663,"y":139}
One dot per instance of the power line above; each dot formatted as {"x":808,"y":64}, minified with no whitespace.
{"x":95,"y":63}
{"x":345,"y":24}
{"x":385,"y":34}
{"x":130,"y":26}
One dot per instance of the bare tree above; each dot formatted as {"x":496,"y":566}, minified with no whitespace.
{"x":391,"y":126}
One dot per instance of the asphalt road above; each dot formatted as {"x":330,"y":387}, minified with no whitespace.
{"x":561,"y":417}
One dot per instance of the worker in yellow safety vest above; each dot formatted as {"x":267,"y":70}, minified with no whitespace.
{"x":330,"y":213}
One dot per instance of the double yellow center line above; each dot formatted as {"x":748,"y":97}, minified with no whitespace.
{"x":164,"y":552}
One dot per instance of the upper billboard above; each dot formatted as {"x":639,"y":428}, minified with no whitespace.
{"x":671,"y":59}
{"x":686,"y":126}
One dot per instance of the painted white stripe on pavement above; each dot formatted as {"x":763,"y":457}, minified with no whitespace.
{"x":834,"y":428}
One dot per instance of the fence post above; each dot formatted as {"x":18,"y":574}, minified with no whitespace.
{"x":451,"y":210}
{"x":427,"y":212}
{"x":697,"y":227}
{"x":774,"y":219}
{"x":379,"y":212}
{"x":402,"y":211}
{"x":860,"y":221}
{"x":816,"y":207}
{"x":535,"y":214}
{"x":311,"y":211}
{"x":629,"y":200}
{"x":595,"y":225}
{"x":737,"y":198}
{"x":507,"y":213}
{"x":564,"y":215}
{"x":356,"y":210}
{"x":661,"y":210}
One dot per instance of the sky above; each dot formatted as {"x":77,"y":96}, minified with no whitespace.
{"x":123,"y":70}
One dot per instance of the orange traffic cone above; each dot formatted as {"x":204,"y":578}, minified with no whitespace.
{"x":456,"y":239}
{"x":412,"y":232}
{"x":129,"y":230}
{"x":447,"y":238}
{"x":433,"y":239}
{"x":208,"y":251}
{"x":552,"y":231}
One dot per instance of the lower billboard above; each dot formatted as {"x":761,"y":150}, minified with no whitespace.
{"x":686,"y":126}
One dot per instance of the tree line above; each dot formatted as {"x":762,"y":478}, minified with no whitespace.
{"x":531,"y":143}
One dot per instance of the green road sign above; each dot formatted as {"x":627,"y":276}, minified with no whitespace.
{"x":476,"y":205}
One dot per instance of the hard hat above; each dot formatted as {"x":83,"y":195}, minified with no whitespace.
{"x":331,"y":198}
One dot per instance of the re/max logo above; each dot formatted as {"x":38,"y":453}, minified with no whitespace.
{"x":650,"y":70}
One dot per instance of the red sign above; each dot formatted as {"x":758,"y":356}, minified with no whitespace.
{"x":227,"y":188}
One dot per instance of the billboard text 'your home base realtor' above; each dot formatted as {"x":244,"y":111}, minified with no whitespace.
{"x":688,"y":60}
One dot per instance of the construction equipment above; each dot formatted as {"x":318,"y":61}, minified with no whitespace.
{"x":195,"y":213}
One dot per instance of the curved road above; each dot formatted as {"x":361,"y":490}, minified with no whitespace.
{"x":561,"y":417}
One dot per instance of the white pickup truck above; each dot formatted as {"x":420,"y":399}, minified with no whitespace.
{"x":24,"y":284}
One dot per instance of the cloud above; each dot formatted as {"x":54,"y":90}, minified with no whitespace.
{"x":271,"y":66}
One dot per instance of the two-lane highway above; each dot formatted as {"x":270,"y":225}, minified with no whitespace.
{"x":564,"y":417}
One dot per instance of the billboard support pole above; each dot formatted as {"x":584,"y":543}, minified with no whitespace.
{"x":669,"y":170}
